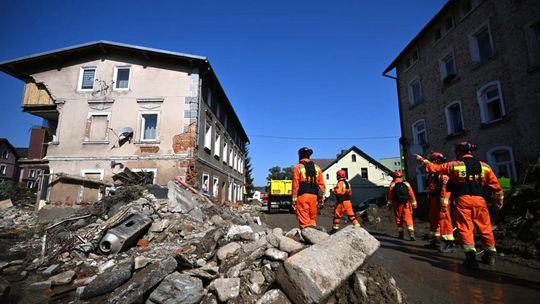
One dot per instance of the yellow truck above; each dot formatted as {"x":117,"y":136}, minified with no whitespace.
{"x":279,"y":195}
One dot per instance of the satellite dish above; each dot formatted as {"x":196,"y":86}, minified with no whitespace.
{"x":125,"y":133}
{"x":416,"y":149}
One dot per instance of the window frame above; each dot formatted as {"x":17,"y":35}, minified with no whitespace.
{"x":225,"y":150}
{"x":5,"y":154}
{"x":449,"y":123}
{"x":353,"y":158}
{"x":215,"y":187}
{"x":482,"y":103}
{"x":142,"y":125}
{"x":366,"y":169}
{"x":204,"y":174}
{"x":474,"y":46}
{"x":415,"y":135}
{"x":208,"y":131}
{"x":409,"y":56}
{"x":410,"y":91}
{"x":445,"y":77}
{"x":512,"y":163}
{"x":87,"y":139}
{"x":217,"y":143}
{"x":3,"y":169}
{"x":115,"y":77}
{"x":80,"y":81}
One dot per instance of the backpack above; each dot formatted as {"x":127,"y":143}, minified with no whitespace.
{"x":401,"y":192}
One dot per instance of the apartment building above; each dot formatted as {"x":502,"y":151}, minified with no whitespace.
{"x":108,"y":106}
{"x":472,"y":73}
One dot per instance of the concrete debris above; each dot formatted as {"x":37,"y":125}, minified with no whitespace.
{"x":4,"y":288}
{"x":6,"y":204}
{"x":177,"y":288}
{"x":311,"y":275}
{"x":226,"y":289}
{"x":183,"y":249}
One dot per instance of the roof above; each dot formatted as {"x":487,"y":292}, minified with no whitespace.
{"x":412,"y":43}
{"x":9,"y":145}
{"x":364,"y":155}
{"x":22,"y":152}
{"x":20,"y":67}
{"x":322,"y":162}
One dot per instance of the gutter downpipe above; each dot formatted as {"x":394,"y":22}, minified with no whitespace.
{"x":402,"y":149}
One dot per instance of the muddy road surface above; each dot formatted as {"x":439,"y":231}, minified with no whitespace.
{"x":427,"y":276}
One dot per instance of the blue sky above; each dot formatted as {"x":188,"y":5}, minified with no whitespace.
{"x":309,"y":71}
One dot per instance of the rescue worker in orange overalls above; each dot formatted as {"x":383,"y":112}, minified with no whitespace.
{"x":343,"y":192}
{"x":402,"y":198}
{"x":469,"y":178}
{"x":440,"y":221}
{"x":307,"y":188}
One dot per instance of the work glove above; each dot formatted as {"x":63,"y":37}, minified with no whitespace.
{"x":445,"y":179}
{"x":421,"y":159}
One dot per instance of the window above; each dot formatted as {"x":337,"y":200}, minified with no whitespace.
{"x":420,"y":133}
{"x":481,"y":44}
{"x":491,"y":102}
{"x":445,"y":28}
{"x":411,"y":59}
{"x":149,"y":125}
{"x":415,"y":91}
{"x":217,"y":144}
{"x":29,"y":184}
{"x":208,"y":136}
{"x":501,"y":160}
{"x":122,"y":76}
{"x":353,"y":158}
{"x":235,"y":162}
{"x":229,"y":192}
{"x":215,"y":187}
{"x":225,"y":120}
{"x":533,"y":34}
{"x":231,"y":153}
{"x":5,"y":154}
{"x":467,"y":6}
{"x":3,"y":169}
{"x":225,"y":148}
{"x":437,"y":34}
{"x":454,"y":118}
{"x":421,"y":177}
{"x":448,"y":67}
{"x":346,"y":172}
{"x":97,"y":127}
{"x":32,"y":173}
{"x":209,"y":98}
{"x":448,"y":24}
{"x":327,"y":176}
{"x":217,"y":110}
{"x":87,"y":78}
{"x":205,"y":182}
{"x":364,"y":173}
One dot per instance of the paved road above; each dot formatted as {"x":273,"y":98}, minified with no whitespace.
{"x":429,"y":277}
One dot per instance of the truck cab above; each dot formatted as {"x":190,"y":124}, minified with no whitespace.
{"x":279,"y":195}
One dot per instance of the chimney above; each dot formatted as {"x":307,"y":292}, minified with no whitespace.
{"x":36,"y":150}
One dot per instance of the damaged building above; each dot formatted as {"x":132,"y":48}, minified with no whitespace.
{"x":108,"y":106}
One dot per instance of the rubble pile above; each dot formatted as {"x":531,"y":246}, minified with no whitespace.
{"x":517,"y":225}
{"x":186,"y":249}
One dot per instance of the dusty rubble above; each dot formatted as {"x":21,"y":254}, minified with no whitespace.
{"x":184,"y":249}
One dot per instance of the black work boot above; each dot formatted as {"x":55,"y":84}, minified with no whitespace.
{"x":447,"y":246}
{"x":488,"y":258}
{"x":401,"y":235}
{"x":435,"y":243}
{"x":470,"y":260}
{"x":411,"y":235}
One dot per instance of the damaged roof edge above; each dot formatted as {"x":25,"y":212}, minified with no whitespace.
{"x":7,"y":66}
{"x":441,"y":12}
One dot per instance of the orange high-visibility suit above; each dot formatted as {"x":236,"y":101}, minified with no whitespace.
{"x":471,"y":209}
{"x":440,"y":221}
{"x":402,"y":210}
{"x":307,"y":187}
{"x":343,"y":192}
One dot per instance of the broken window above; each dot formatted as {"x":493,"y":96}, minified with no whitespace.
{"x":97,"y":127}
{"x":87,"y":78}
{"x":205,"y":182}
{"x":215,"y":187}
{"x":149,"y":123}
{"x":122,"y":75}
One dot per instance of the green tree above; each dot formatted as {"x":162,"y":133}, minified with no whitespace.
{"x":279,"y":173}
{"x":248,"y":171}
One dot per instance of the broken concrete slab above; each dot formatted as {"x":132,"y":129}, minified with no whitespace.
{"x":177,"y":288}
{"x":41,"y":285}
{"x":63,"y":278}
{"x":276,"y":254}
{"x":180,"y":200}
{"x":289,"y":245}
{"x":141,"y":261}
{"x":311,"y":275}
{"x":274,"y":296}
{"x":142,"y":281}
{"x":228,"y":250}
{"x":109,"y":280}
{"x":6,"y":204}
{"x":53,"y":269}
{"x":226,"y":289}
{"x":314,"y":236}
{"x":236,"y":230}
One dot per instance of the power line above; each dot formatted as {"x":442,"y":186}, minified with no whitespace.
{"x":324,"y":138}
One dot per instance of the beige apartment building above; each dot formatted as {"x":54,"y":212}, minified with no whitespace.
{"x":473,"y":73}
{"x":108,"y":106}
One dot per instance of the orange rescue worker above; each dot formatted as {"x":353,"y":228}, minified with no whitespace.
{"x":307,"y":188}
{"x":446,"y":226}
{"x":402,"y":198}
{"x":343,"y":192}
{"x":469,"y":178}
